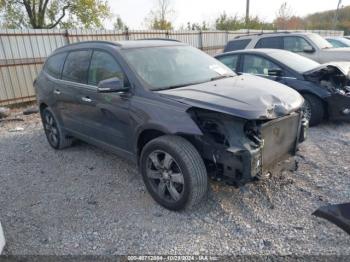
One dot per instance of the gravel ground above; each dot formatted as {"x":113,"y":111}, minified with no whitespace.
{"x":83,"y":200}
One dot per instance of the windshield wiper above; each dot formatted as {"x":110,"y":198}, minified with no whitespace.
{"x":220,"y":77}
{"x":177,"y":86}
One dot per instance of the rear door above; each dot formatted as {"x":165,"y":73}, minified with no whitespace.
{"x":274,"y":42}
{"x":74,"y":78}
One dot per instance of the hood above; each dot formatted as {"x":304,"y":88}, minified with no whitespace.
{"x":244,"y":96}
{"x":343,"y":67}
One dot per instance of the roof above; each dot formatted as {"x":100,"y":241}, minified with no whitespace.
{"x":122,"y":44}
{"x":147,"y":43}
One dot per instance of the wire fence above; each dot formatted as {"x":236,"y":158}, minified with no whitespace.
{"x":23,"y":52}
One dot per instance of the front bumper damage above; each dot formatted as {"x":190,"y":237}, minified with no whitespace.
{"x":243,"y":158}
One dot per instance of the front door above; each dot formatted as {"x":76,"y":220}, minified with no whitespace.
{"x":260,"y":66}
{"x":105,"y":114}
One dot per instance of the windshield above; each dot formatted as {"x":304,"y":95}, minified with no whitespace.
{"x":294,"y":61}
{"x":319,"y":41}
{"x":175,"y":66}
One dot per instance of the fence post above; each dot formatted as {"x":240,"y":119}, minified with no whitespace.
{"x":200,"y":40}
{"x":66,"y":37}
{"x":127,"y":33}
{"x":226,"y":37}
{"x":167,"y":34}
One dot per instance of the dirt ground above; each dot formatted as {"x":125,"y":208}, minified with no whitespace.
{"x":83,"y":200}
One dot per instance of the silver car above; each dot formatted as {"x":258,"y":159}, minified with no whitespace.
{"x":309,"y":45}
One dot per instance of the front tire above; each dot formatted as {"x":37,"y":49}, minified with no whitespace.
{"x":313,"y":109}
{"x":173,"y":172}
{"x":53,"y":130}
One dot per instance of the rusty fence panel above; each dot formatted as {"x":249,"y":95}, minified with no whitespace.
{"x":23,"y":51}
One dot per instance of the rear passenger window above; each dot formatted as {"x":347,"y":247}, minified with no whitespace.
{"x":270,"y":42}
{"x":53,"y":65}
{"x":76,"y":66}
{"x":237,"y":45}
{"x":230,"y":61}
{"x":103,"y":66}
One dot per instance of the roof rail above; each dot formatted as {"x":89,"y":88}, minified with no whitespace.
{"x":90,"y":42}
{"x":162,"y":39}
{"x":268,"y":33}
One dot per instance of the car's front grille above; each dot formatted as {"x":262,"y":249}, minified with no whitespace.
{"x":280,"y":136}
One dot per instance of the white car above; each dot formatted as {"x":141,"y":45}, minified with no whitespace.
{"x":309,"y":45}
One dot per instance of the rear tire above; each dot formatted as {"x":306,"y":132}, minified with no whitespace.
{"x":56,"y":137}
{"x":173,"y":172}
{"x":313,"y":109}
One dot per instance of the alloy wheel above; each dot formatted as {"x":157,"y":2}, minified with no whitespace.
{"x":51,"y":129}
{"x":165,"y":176}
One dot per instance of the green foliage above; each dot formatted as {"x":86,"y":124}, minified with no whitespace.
{"x":325,"y":20}
{"x":119,"y":24}
{"x":159,"y":18}
{"x":204,"y":26}
{"x":54,"y":13}
{"x":232,"y":23}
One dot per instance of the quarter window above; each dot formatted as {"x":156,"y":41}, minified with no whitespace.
{"x":54,"y":64}
{"x":103,"y":66}
{"x":76,"y":66}
{"x":257,"y":65}
{"x":230,"y":61}
{"x":295,"y":44}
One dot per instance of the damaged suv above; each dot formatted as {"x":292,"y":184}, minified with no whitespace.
{"x":325,"y":88}
{"x":178,"y":113}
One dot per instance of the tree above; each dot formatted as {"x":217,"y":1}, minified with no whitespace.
{"x":53,"y":13}
{"x":160,"y":17}
{"x":283,"y":17}
{"x":197,"y":27}
{"x":232,"y":23}
{"x":227,"y":23}
{"x":119,"y":24}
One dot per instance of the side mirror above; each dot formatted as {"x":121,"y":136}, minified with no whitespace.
{"x":112,"y":85}
{"x":276,"y":72}
{"x":309,"y":49}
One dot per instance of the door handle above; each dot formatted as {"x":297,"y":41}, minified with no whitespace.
{"x":86,"y":99}
{"x":57,"y":92}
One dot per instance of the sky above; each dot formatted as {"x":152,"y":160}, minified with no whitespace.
{"x":133,"y":12}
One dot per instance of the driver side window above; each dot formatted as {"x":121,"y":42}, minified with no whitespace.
{"x":103,"y":66}
{"x":257,"y":65}
{"x":296,"y":44}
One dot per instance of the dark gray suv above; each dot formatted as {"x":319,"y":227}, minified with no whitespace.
{"x":178,"y":113}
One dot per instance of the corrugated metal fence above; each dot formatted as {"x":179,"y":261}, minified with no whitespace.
{"x":22,"y":52}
